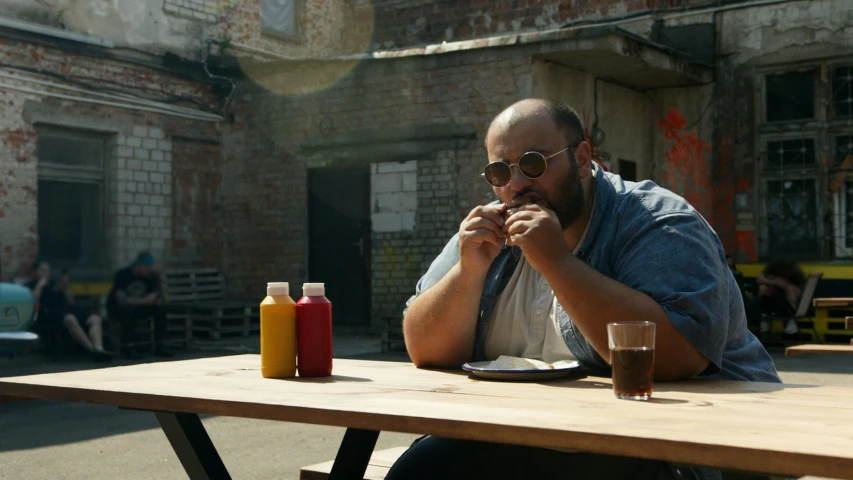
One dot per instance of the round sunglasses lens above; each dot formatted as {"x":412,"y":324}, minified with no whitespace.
{"x":532,"y":165}
{"x":498,"y":174}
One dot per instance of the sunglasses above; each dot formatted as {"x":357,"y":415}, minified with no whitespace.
{"x":532,"y":165}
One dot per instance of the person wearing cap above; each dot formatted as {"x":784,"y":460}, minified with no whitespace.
{"x":567,"y":249}
{"x":137,"y":294}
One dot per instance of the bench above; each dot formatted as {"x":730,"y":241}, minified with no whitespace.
{"x":381,"y":461}
{"x":197,"y":303}
{"x":818,"y":348}
{"x":377,"y":468}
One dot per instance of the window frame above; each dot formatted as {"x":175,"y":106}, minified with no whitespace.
{"x":80,"y":174}
{"x":817,"y":111}
{"x":296,"y":37}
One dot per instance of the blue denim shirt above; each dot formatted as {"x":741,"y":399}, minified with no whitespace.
{"x":653,"y":241}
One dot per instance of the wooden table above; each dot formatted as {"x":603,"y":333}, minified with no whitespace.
{"x":819,"y":348}
{"x":779,"y":429}
{"x":832,"y":302}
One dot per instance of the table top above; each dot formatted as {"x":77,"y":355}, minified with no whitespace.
{"x":827,"y":302}
{"x":819,"y":348}
{"x":735,"y":425}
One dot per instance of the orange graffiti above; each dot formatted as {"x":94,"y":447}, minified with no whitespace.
{"x":745,"y":242}
{"x":686,"y":160}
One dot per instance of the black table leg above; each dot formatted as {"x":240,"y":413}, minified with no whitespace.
{"x":354,"y":454}
{"x":192,"y":445}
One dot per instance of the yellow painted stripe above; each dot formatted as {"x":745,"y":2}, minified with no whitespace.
{"x":837,"y":271}
{"x":90,"y":288}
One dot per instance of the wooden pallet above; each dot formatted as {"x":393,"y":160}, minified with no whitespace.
{"x":392,"y":335}
{"x":198,"y":304}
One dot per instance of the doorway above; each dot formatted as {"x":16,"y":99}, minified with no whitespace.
{"x":339,"y":240}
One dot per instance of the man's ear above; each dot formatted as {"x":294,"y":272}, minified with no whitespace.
{"x":583,"y":157}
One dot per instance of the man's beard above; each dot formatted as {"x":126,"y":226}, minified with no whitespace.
{"x":568,"y":202}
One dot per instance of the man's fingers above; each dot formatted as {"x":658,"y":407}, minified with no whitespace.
{"x":516,"y":228}
{"x":491,"y":212}
{"x":483,"y":235}
{"x":480,"y":222}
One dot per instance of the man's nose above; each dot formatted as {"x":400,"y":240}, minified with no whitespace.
{"x":518,"y":182}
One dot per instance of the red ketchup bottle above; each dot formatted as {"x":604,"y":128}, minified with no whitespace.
{"x":314,"y":331}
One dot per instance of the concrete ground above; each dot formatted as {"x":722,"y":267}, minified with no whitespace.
{"x":51,"y":440}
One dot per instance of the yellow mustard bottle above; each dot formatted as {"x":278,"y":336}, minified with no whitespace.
{"x":278,"y":332}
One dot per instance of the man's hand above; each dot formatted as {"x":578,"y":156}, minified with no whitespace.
{"x":537,"y":231}
{"x":481,"y":237}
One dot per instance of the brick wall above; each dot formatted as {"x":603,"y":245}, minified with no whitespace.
{"x":197,"y":222}
{"x":411,"y":22}
{"x":264,"y":195}
{"x":138,"y":172}
{"x":140,"y":203}
{"x":204,"y":10}
{"x":18,"y":236}
{"x":324,"y":27}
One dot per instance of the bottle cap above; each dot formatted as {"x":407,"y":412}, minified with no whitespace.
{"x":276,"y":289}
{"x":314,"y":289}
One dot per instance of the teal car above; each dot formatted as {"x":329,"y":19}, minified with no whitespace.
{"x":17,"y":312}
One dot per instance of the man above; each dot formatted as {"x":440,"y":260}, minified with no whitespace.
{"x":583,"y":248}
{"x":56,"y":311}
{"x":136,"y":295}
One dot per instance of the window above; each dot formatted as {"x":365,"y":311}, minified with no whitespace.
{"x":790,"y":96}
{"x":628,"y":170}
{"x":279,"y":16}
{"x":70,"y":196}
{"x":791,"y":217}
{"x":805,"y":139}
{"x":842,"y":92}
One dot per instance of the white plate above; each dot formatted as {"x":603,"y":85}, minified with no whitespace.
{"x":562,"y":368}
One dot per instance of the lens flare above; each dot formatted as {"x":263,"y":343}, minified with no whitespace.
{"x":334,"y":40}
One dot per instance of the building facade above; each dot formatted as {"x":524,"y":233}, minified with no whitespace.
{"x":343,"y":141}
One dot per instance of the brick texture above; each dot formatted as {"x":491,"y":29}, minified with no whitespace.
{"x":197,"y":223}
{"x":203,"y":10}
{"x":264,"y":195}
{"x":138,"y":194}
{"x":413,"y":22}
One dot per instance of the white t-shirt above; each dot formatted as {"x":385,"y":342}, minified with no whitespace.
{"x":524,"y":321}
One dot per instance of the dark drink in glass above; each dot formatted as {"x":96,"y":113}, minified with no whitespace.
{"x":633,"y":369}
{"x":632,"y":359}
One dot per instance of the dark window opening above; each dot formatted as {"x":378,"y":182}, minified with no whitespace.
{"x":790,"y":96}
{"x":628,"y":170}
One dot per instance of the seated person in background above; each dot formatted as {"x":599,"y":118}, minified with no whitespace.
{"x":136,"y":294}
{"x":779,"y":288}
{"x":56,"y":310}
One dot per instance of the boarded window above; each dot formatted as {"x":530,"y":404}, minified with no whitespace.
{"x":790,"y":96}
{"x":70,"y":197}
{"x":279,"y":16}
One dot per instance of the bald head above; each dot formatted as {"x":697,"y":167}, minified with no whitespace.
{"x":563,"y":116}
